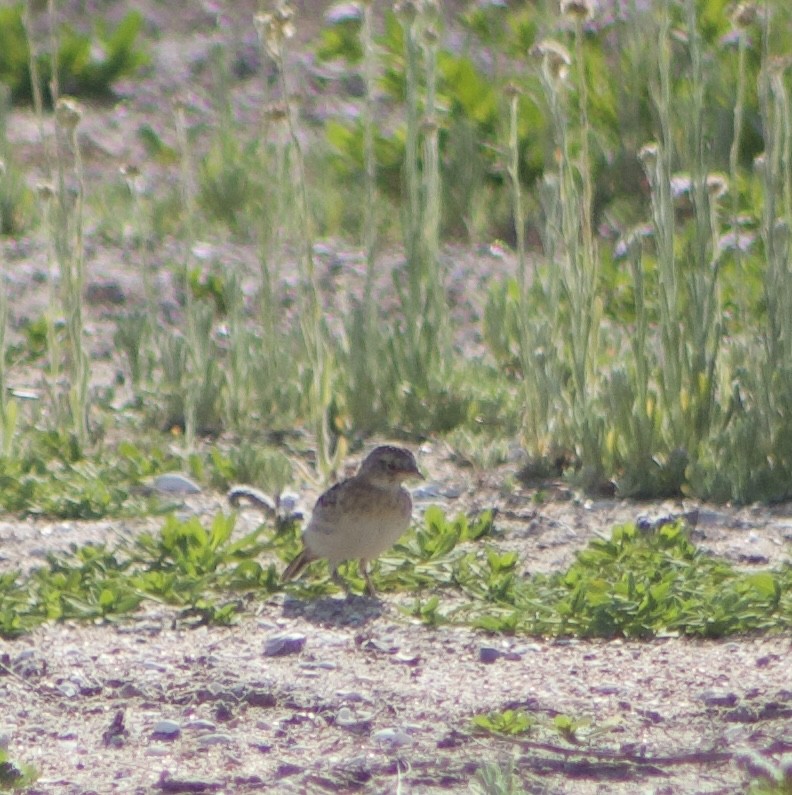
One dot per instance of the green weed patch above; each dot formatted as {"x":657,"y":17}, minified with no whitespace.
{"x":197,"y":570}
{"x":632,"y":585}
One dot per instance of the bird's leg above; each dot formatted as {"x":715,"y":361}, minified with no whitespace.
{"x":339,"y":580}
{"x":369,"y":584}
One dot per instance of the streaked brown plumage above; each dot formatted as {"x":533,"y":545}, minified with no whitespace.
{"x":360,"y":517}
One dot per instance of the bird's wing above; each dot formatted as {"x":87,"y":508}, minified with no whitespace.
{"x":330,"y":508}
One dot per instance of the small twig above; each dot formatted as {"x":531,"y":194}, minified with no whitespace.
{"x":45,"y":695}
{"x":709,"y":756}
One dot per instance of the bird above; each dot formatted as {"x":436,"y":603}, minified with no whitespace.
{"x":360,"y":517}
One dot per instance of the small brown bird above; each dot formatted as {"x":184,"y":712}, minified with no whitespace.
{"x":361,"y":516}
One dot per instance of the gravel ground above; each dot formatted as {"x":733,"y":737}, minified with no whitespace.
{"x":352,"y":695}
{"x":362,"y":699}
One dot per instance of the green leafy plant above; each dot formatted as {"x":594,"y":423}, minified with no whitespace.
{"x":497,"y":779}
{"x":13,"y":777}
{"x":508,"y":722}
{"x":633,"y":584}
{"x":16,"y":200}
{"x":199,"y":570}
{"x":50,"y":476}
{"x":88,"y":63}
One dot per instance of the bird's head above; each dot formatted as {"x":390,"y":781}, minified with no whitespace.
{"x":389,"y":465}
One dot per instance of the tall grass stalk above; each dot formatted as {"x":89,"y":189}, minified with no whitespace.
{"x":632,"y":438}
{"x":8,"y":408}
{"x":66,"y":228}
{"x":704,"y":318}
{"x":276,"y":29}
{"x":70,"y":252}
{"x":741,"y":28}
{"x":138,"y":332}
{"x":422,"y":353}
{"x":274,"y":348}
{"x":586,"y":306}
{"x":64,"y":202}
{"x":190,"y":381}
{"x":513,"y":170}
{"x":657,"y":159}
{"x":776,"y":233}
{"x":536,"y":344}
{"x":370,"y":214}
{"x":364,"y":339}
{"x":574,"y":259}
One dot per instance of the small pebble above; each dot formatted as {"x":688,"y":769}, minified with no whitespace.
{"x":346,"y":719}
{"x":166,"y":730}
{"x":284,"y":643}
{"x":488,"y":654}
{"x":68,"y":689}
{"x":427,"y":492}
{"x":260,"y":698}
{"x":217,"y":738}
{"x":717,"y":698}
{"x":391,"y":738}
{"x":200,"y":725}
{"x":606,"y":689}
{"x":175,"y":483}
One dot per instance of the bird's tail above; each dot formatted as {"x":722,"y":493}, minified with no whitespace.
{"x":297,"y":565}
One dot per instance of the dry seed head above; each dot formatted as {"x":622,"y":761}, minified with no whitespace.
{"x":407,"y":9}
{"x":68,"y":113}
{"x":744,"y":15}
{"x":648,"y":154}
{"x":275,"y":28}
{"x":717,"y":185}
{"x":276,"y":112}
{"x":581,"y":10}
{"x":431,"y":36}
{"x":129,"y":171}
{"x":511,"y":90}
{"x":429,"y":125}
{"x":45,"y":191}
{"x":555,"y":59}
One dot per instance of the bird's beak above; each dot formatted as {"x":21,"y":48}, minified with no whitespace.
{"x":416,"y":473}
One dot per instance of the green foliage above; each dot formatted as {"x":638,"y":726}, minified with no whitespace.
{"x":508,"y":722}
{"x":496,"y":779}
{"x":228,"y":189}
{"x":511,"y":722}
{"x":632,"y":585}
{"x":88,"y":63}
{"x":16,"y":200}
{"x":50,"y":477}
{"x":13,"y":777}
{"x":185,"y":565}
{"x":266,"y":468}
{"x":341,"y":40}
